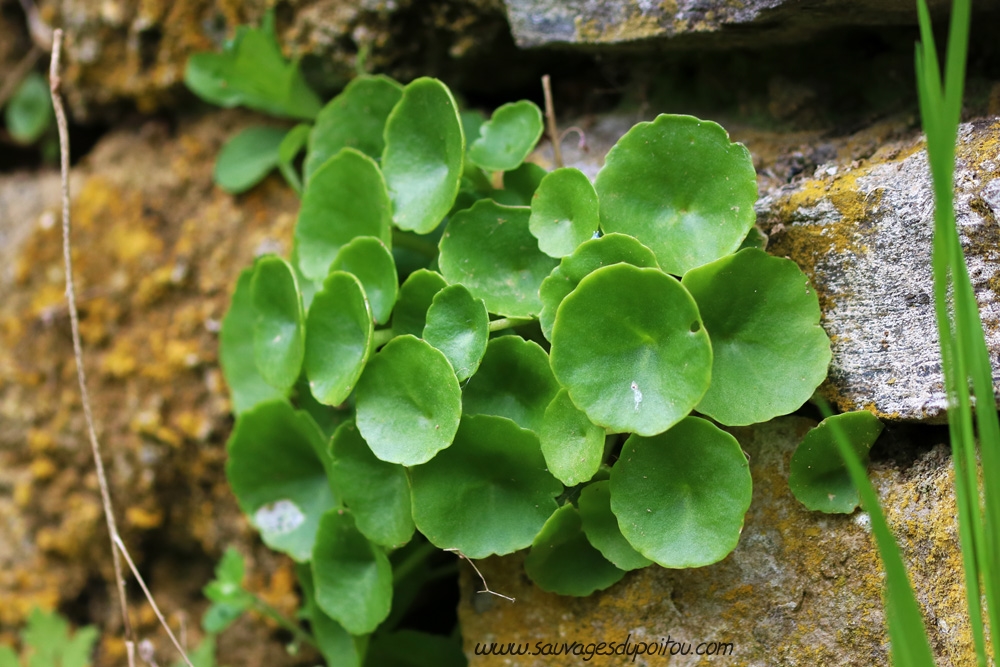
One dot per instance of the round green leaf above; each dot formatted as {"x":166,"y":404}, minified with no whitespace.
{"x":278,"y":477}
{"x":513,"y":381}
{"x":376,"y":492}
{"x":488,"y":493}
{"x":353,"y":577}
{"x":338,"y":338}
{"x":336,"y":644}
{"x":353,"y":119}
{"x":680,"y":497}
{"x":371,"y":262}
{"x":408,"y":402}
{"x":507,"y":137}
{"x":246,"y":385}
{"x":564,"y":212}
{"x":29,"y":112}
{"x":817,"y":475}
{"x":459,"y":326}
{"x":572,"y":445}
{"x":562,"y":561}
{"x":346,"y":198}
{"x":423,"y":156}
{"x":523,"y":182}
{"x":279,"y":329}
{"x":247,"y":158}
{"x":587,"y":258}
{"x":489,"y":249}
{"x":678,"y":185}
{"x":416,"y":295}
{"x":763,"y":319}
{"x":629,"y":346}
{"x":601,"y":526}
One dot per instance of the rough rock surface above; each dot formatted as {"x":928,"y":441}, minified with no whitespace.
{"x":801,"y":589}
{"x":157,"y":249}
{"x":697,"y":22}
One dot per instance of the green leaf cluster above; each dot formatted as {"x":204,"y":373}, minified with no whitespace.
{"x":48,"y":642}
{"x":445,"y":363}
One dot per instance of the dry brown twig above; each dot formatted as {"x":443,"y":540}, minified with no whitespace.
{"x":550,"y":116}
{"x":486,"y":587}
{"x":116,"y":541}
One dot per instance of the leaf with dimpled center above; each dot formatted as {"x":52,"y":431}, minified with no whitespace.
{"x":278,"y":476}
{"x":353,"y":119}
{"x":507,"y":137}
{"x":513,"y":381}
{"x":489,"y":249}
{"x":817,"y":474}
{"x":376,"y":492}
{"x":562,"y":561}
{"x":770,"y":351}
{"x":601,"y":526}
{"x":424,"y":155}
{"x":279,"y":327}
{"x":587,"y":258}
{"x":345,"y":199}
{"x":629,"y":346}
{"x":564,"y":212}
{"x":488,"y":493}
{"x":408,"y":402}
{"x":680,"y":497}
{"x":338,"y":338}
{"x":352,"y":576}
{"x":371,"y":262}
{"x":459,"y":326}
{"x":572,"y":445}
{"x":678,"y":185}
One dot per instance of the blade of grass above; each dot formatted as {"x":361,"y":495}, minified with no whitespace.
{"x":907,"y":634}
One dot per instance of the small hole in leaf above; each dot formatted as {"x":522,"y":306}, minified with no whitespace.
{"x":695,"y":326}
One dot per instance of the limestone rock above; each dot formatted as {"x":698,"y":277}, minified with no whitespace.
{"x":801,"y":589}
{"x":697,"y":22}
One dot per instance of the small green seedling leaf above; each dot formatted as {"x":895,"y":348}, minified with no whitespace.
{"x":817,"y":474}
{"x":678,"y":185}
{"x":338,"y":338}
{"x":770,"y":350}
{"x":202,"y":656}
{"x":226,"y":592}
{"x":416,"y":295}
{"x":523,"y":182}
{"x":572,"y":445}
{"x":507,"y":137}
{"x":680,"y":497}
{"x":424,"y":155}
{"x":564,"y":212}
{"x":47,"y":637}
{"x":279,"y":327}
{"x":29,"y":111}
{"x":338,"y":646}
{"x":630,"y":347}
{"x":371,"y":262}
{"x":353,"y":577}
{"x":587,"y":258}
{"x":346,"y":198}
{"x":489,"y":249}
{"x":8,"y":658}
{"x":279,"y":476}
{"x":459,"y":326}
{"x":290,"y":147}
{"x":562,"y":561}
{"x":246,"y":385}
{"x":408,"y":402}
{"x":601,"y":526}
{"x":493,"y":469}
{"x":353,"y":119}
{"x":376,"y":492}
{"x":410,"y":648}
{"x":247,"y":158}
{"x":251,"y":71}
{"x":513,"y":381}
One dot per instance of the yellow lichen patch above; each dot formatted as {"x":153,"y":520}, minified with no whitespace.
{"x":139,"y":517}
{"x":638,"y":25}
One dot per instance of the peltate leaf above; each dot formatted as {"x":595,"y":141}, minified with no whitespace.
{"x":416,"y":295}
{"x":338,"y":646}
{"x":279,"y":327}
{"x":601,"y":527}
{"x":459,"y":326}
{"x":507,"y":137}
{"x":564,"y":212}
{"x":573,"y":446}
{"x":367,"y":258}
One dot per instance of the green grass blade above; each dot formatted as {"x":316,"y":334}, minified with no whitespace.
{"x":907,"y":634}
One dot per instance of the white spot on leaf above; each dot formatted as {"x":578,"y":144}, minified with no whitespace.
{"x":637,"y":395}
{"x":280,"y":517}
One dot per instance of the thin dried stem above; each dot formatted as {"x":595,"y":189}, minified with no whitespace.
{"x":74,"y":317}
{"x":486,"y":587}
{"x":550,"y":116}
{"x":149,"y":596}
